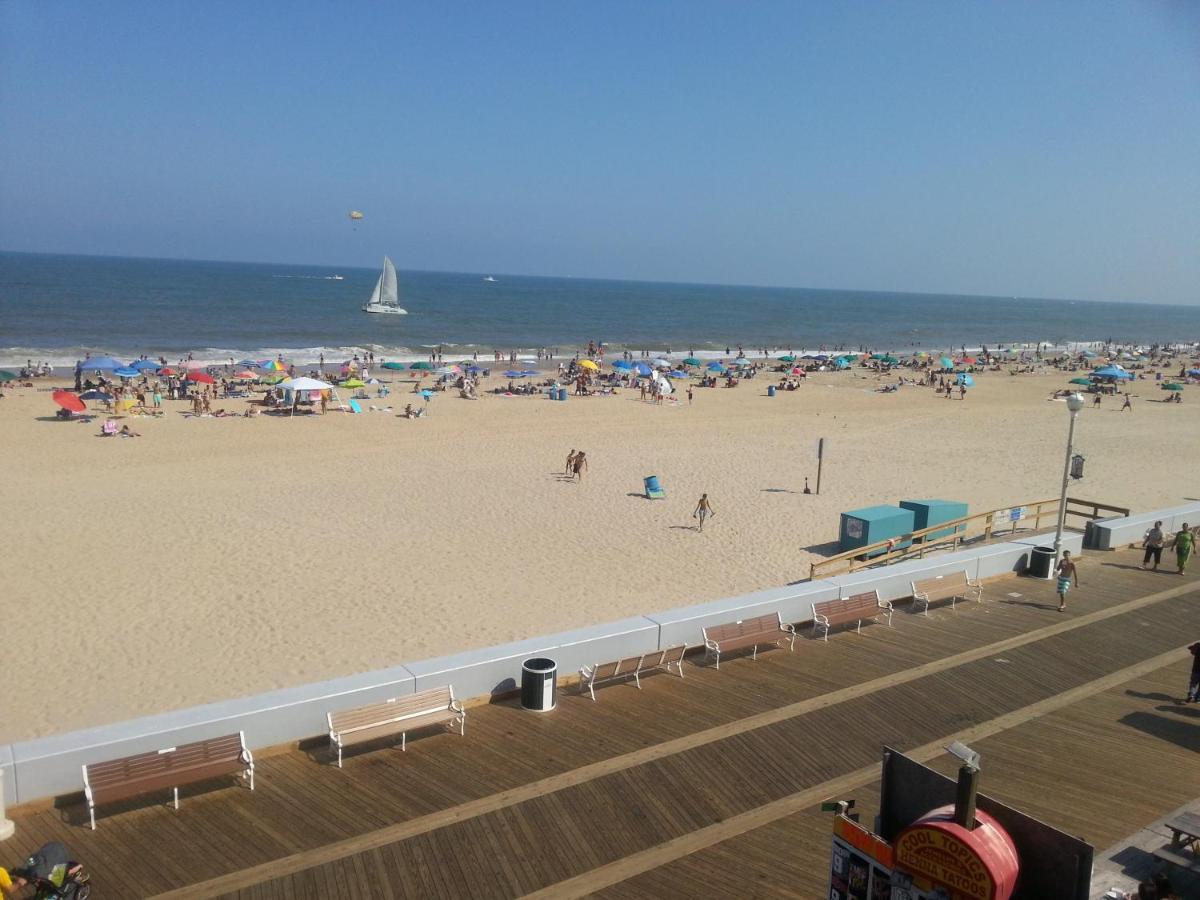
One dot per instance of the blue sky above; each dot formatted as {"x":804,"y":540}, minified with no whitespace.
{"x":1031,"y":149}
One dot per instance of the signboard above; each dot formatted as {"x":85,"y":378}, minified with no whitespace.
{"x":860,"y":864}
{"x":1017,"y":513}
{"x":945,"y":860}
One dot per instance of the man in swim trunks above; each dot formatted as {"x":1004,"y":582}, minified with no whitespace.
{"x":703,"y":511}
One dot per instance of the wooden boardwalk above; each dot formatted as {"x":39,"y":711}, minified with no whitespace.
{"x":706,"y":784}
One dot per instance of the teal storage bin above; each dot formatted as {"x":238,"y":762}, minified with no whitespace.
{"x":873,"y":524}
{"x":932,"y":512}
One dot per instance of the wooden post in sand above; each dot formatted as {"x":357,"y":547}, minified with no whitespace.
{"x":820,"y":457}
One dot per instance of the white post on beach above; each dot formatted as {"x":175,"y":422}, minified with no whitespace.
{"x":7,"y":828}
{"x":1074,"y":405}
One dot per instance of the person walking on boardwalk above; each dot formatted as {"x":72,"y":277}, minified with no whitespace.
{"x":1067,"y":573}
{"x":1183,"y":545}
{"x":703,"y":511}
{"x":579,"y":465}
{"x":1193,"y":694}
{"x":1153,"y":545}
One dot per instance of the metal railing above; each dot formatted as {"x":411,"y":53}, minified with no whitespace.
{"x":981,"y":526}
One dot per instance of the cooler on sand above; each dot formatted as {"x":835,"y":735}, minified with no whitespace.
{"x":654,"y":490}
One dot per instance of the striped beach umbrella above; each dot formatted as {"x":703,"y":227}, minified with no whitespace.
{"x":270,"y":365}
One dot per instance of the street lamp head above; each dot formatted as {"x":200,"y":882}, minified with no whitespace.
{"x":1075,"y":403}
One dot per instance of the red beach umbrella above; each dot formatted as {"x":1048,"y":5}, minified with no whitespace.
{"x":167,"y":370}
{"x":69,"y":401}
{"x":200,"y":376}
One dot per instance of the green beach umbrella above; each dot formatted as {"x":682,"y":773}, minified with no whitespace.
{"x":1086,"y":381}
{"x":394,"y":365}
{"x":271,"y":379}
{"x":787,"y":358}
{"x":7,"y":376}
{"x":421,"y":365}
{"x":691,"y":361}
{"x":1172,"y":387}
{"x":890,"y":360}
{"x":353,"y":383}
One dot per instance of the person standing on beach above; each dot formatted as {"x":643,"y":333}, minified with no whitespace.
{"x":1193,"y":694}
{"x":579,"y":465}
{"x":570,"y":462}
{"x":703,"y":511}
{"x":1067,"y":572}
{"x":689,"y":395}
{"x":1153,"y":545}
{"x":1128,"y":405}
{"x":1183,"y":545}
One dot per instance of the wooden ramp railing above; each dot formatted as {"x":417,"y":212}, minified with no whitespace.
{"x":981,"y":526}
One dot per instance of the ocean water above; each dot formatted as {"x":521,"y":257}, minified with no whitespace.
{"x":54,"y":308}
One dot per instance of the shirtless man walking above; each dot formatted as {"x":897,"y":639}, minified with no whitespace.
{"x":570,"y":462}
{"x":580,"y":464}
{"x":703,"y":511}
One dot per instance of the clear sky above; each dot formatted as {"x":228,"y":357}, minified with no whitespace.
{"x":1020,"y":148}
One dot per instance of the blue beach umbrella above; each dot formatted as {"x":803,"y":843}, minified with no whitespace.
{"x":95,"y":395}
{"x":513,"y":373}
{"x":964,"y":378}
{"x":716,"y":366}
{"x":125,"y":372}
{"x":622,"y":364}
{"x":841,"y":362}
{"x":531,"y":373}
{"x":946,"y":362}
{"x":474,"y":370}
{"x":678,"y":373}
{"x":741,"y":361}
{"x":100,"y":362}
{"x":248,"y":363}
{"x":1193,"y":371}
{"x":643,"y":369}
{"x":1112,"y":372}
{"x":145,"y":365}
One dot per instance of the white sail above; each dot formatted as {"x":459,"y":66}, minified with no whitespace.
{"x":386,"y":296}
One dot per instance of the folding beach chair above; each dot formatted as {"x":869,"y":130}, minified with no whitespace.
{"x":354,"y":407}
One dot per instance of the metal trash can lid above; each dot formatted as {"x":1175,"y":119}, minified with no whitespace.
{"x":539,"y":665}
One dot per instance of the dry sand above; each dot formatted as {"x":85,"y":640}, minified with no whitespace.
{"x":214,"y":558}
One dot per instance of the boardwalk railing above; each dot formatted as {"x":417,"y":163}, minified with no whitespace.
{"x":981,"y":526}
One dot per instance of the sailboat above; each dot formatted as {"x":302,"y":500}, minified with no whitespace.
{"x":386,"y":296}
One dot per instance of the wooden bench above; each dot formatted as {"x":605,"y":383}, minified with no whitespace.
{"x":173,"y":767}
{"x":768,"y":629}
{"x":590,"y":676}
{"x":854,"y":608}
{"x":399,"y":715}
{"x":946,"y":587}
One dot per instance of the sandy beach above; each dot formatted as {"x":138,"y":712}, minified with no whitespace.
{"x":213,"y":558}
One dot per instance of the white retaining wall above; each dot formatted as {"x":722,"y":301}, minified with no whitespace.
{"x":51,"y":766}
{"x":1109,"y":534}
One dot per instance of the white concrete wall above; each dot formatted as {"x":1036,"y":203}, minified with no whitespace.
{"x":1111,"y":534}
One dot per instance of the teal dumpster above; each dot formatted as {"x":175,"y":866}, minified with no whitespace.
{"x":933,"y":512}
{"x":873,"y":524}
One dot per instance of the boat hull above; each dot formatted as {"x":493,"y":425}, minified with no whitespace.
{"x":387,"y":310}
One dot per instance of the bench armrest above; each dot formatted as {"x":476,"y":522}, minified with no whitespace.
{"x":821,"y":619}
{"x":710,"y":644}
{"x":585,"y":672}
{"x":456,"y":705}
{"x":885,"y":604}
{"x":788,"y":627}
{"x":920,"y":595}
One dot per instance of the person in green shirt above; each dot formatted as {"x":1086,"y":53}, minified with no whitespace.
{"x":1183,"y":545}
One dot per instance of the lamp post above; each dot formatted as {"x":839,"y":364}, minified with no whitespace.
{"x":1074,"y":405}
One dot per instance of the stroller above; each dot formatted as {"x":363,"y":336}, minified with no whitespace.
{"x":53,"y":875}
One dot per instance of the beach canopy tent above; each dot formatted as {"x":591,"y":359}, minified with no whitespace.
{"x":303,"y":385}
{"x":691,"y":361}
{"x":100,"y":363}
{"x":69,"y":401}
{"x":126,"y":372}
{"x":145,"y":365}
{"x":1112,"y":372}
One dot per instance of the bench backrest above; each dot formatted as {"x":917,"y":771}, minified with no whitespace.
{"x":755,"y":625}
{"x":853,"y":603}
{"x":393,"y":710}
{"x":950,"y":581}
{"x":161,"y":763}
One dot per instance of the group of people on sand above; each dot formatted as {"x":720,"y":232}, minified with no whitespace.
{"x":576,"y":465}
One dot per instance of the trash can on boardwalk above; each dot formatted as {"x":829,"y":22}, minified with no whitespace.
{"x":539,"y":684}
{"x":1041,"y":562}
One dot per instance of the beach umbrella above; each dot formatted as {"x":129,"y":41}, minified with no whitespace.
{"x":677,"y":373}
{"x":197,"y":364}
{"x":5,"y":375}
{"x":716,"y":366}
{"x":248,"y":363}
{"x":271,"y":378}
{"x":964,"y":378}
{"x":890,"y":360}
{"x":393,"y":365}
{"x":1172,"y":387}
{"x":475,"y":370}
{"x":588,"y":364}
{"x":269,"y":365}
{"x":841,"y":362}
{"x":787,"y":357}
{"x":969,"y":360}
{"x":427,"y":394}
{"x":1086,"y":381}
{"x":661,"y":363}
{"x":1088,"y":354}
{"x":691,"y":361}
{"x":1112,"y":372}
{"x":622,"y":364}
{"x":946,"y":362}
{"x":513,"y":373}
{"x":422,"y":364}
{"x":348,"y":383}
{"x":145,"y":365}
{"x":246,"y":375}
{"x":304,"y":384}
{"x":643,"y":369}
{"x":68,"y":401}
{"x":95,"y":395}
{"x":125,"y":372}
{"x":1195,"y":372}
{"x":202,"y":377}
{"x":447,"y":370}
{"x":530,"y":373}
{"x":741,"y":361}
{"x":101,"y":362}
{"x":166,"y":370}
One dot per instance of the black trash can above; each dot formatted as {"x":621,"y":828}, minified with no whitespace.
{"x":1041,"y":562}
{"x":539,"y":684}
